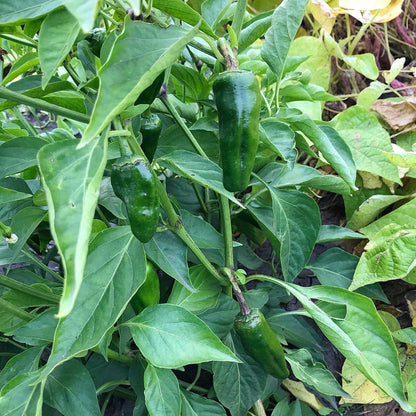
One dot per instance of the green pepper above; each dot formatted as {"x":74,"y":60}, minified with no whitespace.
{"x":150,"y":128}
{"x":95,"y":39}
{"x":237,"y":97}
{"x":149,"y":292}
{"x":261,"y":343}
{"x":133,"y":182}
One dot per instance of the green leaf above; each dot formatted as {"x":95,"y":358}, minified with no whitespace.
{"x":19,"y":153}
{"x":19,"y":11}
{"x":198,"y":169}
{"x":238,"y":385}
{"x":402,"y":216}
{"x":406,"y":335}
{"x":282,"y":139}
{"x":314,"y":373}
{"x":370,"y":94}
{"x":70,"y":390}
{"x":329,"y":143}
{"x":297,"y":221}
{"x":21,"y":65}
{"x":196,"y":405}
{"x":109,"y":200}
{"x":367,"y":140}
{"x":71,"y":180}
{"x":24,"y":362}
{"x":211,"y":9}
{"x":170,"y":253}
{"x":10,"y":195}
{"x":389,"y":255}
{"x":395,"y":69}
{"x":189,"y":80}
{"x":170,"y":337}
{"x":361,"y":335}
{"x":116,"y":268}
{"x":403,"y":159}
{"x":205,"y":296}
{"x":370,"y":209}
{"x":22,"y":396}
{"x":61,"y":28}
{"x":130,"y":70}
{"x":161,"y":392}
{"x":335,"y":232}
{"x":182,"y":11}
{"x":286,"y":20}
{"x":85,"y":11}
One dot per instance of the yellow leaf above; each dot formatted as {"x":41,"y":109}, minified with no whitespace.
{"x":361,"y":389}
{"x":376,"y":11}
{"x":363,"y":5}
{"x":323,"y":14}
{"x":298,"y":390}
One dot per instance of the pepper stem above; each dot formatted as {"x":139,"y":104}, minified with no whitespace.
{"x":230,"y":60}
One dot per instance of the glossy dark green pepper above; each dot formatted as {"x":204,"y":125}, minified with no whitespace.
{"x":149,"y":292}
{"x":134,"y":183}
{"x":261,"y":343}
{"x":237,"y":97}
{"x":150,"y":128}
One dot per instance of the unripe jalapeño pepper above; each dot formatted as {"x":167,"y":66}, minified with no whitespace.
{"x":261,"y":343}
{"x":134,"y":183}
{"x":237,"y":96}
{"x":150,"y":128}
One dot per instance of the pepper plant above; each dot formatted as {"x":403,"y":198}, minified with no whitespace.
{"x":147,"y":148}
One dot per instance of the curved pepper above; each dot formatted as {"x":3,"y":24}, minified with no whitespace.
{"x":261,"y":343}
{"x":134,"y":183}
{"x":237,"y":96}
{"x":150,"y":128}
{"x":149,"y":292}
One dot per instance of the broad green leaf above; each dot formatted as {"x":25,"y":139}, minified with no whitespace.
{"x":10,"y":195}
{"x":238,"y":385}
{"x":335,"y":232}
{"x":182,"y":11}
{"x":71,"y":180}
{"x":170,"y":253}
{"x":286,"y":20}
{"x":85,"y":12}
{"x":131,"y":69}
{"x":109,"y":200}
{"x":207,"y":290}
{"x":281,"y":138}
{"x":38,"y":331}
{"x":329,"y":143}
{"x":367,"y":140}
{"x":389,"y":255}
{"x":407,"y":335}
{"x":402,"y":216}
{"x":395,"y":69}
{"x":19,"y":11}
{"x":370,"y":94}
{"x":318,"y":60}
{"x":336,"y":267}
{"x":281,"y":176}
{"x":220,"y":319}
{"x":198,"y":169}
{"x":297,"y":221}
{"x":195,"y":405}
{"x":19,"y":153}
{"x":370,"y":209}
{"x":161,"y":391}
{"x":24,"y":362}
{"x":22,"y":396}
{"x":211,"y":9}
{"x":170,"y":336}
{"x":314,"y":373}
{"x":57,"y":34}
{"x":136,"y":378}
{"x":190,"y":84}
{"x":114,"y":272}
{"x":361,"y":335}
{"x":70,"y":390}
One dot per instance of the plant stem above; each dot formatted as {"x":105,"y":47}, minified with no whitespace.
{"x":258,"y":408}
{"x":239,"y":16}
{"x":42,"y":105}
{"x":230,"y":60}
{"x":21,"y":287}
{"x":175,"y":222}
{"x":227,"y":232}
{"x":14,"y":310}
{"x":194,"y":387}
{"x":31,"y":130}
{"x":183,"y":126}
{"x":116,"y":356}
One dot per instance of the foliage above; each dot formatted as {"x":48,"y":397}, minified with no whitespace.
{"x":79,"y":78}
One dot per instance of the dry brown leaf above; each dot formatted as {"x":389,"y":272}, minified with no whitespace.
{"x":398,"y":115}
